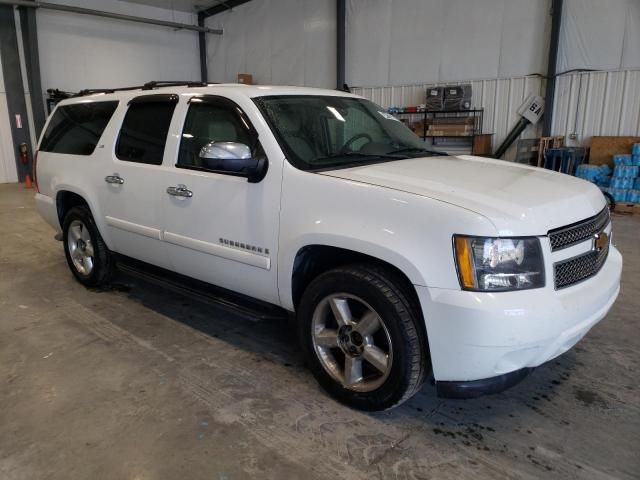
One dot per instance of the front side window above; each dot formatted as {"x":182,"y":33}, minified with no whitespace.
{"x":76,"y":129}
{"x":207,"y":122}
{"x":144,"y":130}
{"x":326,"y":132}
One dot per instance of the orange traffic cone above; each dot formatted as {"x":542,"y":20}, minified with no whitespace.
{"x":27,"y":181}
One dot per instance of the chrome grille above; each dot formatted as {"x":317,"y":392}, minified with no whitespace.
{"x":564,"y":237}
{"x":576,"y":269}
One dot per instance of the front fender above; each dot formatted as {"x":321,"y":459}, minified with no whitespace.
{"x":411,"y":232}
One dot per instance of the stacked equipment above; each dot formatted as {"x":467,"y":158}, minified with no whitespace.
{"x":598,"y":174}
{"x":625,"y":184}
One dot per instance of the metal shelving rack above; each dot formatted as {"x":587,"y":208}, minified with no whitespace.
{"x":477,"y":114}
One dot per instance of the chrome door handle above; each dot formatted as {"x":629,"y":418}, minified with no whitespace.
{"x":117,"y":179}
{"x":180,"y":191}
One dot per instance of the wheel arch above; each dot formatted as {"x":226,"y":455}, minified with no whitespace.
{"x":312,"y":260}
{"x":67,"y":197}
{"x":66,"y":200}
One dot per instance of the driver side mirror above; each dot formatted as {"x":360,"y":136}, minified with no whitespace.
{"x":233,"y":158}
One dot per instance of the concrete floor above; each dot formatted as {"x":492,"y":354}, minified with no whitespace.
{"x":140,"y":383}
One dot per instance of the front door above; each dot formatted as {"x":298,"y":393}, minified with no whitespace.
{"x":220,"y":228}
{"x":133,"y":183}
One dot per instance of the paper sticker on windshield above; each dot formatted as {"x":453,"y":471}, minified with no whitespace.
{"x":388,"y":116}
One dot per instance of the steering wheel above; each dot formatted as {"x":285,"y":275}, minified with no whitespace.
{"x":347,"y":146}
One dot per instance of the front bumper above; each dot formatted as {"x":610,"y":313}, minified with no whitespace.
{"x":477,"y":388}
{"x":476,"y":336}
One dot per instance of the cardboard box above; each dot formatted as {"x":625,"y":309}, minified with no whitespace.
{"x":245,"y":78}
{"x":418,"y":128}
{"x":482,"y":144}
{"x":452,"y":121}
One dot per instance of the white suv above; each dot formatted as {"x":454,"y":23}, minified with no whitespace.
{"x":398,"y":261}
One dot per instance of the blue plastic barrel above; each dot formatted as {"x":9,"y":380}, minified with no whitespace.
{"x":635,"y":150}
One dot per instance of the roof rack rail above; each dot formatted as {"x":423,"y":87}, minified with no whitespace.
{"x":146,"y":86}
{"x":91,"y":91}
{"x":157,"y":84}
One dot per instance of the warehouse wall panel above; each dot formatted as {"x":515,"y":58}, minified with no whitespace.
{"x":282,"y":42}
{"x":81,"y":51}
{"x":586,"y":103}
{"x":631,"y":43}
{"x":8,"y":171}
{"x":600,"y":35}
{"x":597,"y":103}
{"x":423,"y":41}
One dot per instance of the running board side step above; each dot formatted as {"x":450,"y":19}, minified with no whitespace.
{"x":232,"y":302}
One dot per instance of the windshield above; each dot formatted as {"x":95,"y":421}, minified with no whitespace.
{"x":326,"y":132}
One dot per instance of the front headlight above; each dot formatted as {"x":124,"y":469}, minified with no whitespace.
{"x":498,"y":264}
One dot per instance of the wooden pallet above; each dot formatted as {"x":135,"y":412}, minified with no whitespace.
{"x":629,"y":208}
{"x":527,"y":151}
{"x":548,"y":142}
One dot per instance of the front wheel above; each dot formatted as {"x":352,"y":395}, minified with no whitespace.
{"x":361,"y":337}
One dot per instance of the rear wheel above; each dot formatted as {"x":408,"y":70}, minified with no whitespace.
{"x":361,"y":337}
{"x":87,"y":255}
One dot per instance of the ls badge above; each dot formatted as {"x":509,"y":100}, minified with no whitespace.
{"x":601,"y":241}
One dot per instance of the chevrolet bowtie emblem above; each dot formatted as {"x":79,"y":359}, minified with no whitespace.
{"x":600,"y":241}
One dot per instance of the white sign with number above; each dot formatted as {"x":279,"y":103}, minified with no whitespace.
{"x":532,"y":109}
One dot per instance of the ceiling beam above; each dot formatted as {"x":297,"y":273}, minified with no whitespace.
{"x":221,"y":6}
{"x":116,"y":16}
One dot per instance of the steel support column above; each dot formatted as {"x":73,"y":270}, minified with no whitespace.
{"x":556,"y":24}
{"x":341,"y":24}
{"x":32,"y":60}
{"x":13,"y":85}
{"x":202,"y":46}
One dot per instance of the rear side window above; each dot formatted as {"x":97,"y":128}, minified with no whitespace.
{"x":76,"y":129}
{"x":144,"y":130}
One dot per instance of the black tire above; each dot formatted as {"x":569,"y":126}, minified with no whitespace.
{"x":379,"y":288}
{"x":103,"y":263}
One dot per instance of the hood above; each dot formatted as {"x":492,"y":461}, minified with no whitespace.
{"x":517,"y":199}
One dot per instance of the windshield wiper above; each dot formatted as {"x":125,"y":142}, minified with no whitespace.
{"x":391,"y":155}
{"x":417,"y":150}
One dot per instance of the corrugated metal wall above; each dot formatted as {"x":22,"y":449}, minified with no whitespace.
{"x":500,"y":99}
{"x":586,"y":104}
{"x":597,"y":103}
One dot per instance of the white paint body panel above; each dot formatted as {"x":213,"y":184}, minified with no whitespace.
{"x":225,"y":207}
{"x":402,"y":212}
{"x":519,"y":200}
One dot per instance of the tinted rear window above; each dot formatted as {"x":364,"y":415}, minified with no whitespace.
{"x":76,"y":129}
{"x":144,"y":132}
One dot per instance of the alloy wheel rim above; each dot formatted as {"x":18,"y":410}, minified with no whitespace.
{"x":352,"y":342}
{"x":80,"y":248}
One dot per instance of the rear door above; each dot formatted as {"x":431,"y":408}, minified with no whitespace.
{"x":225,"y":231}
{"x":133,"y":182}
